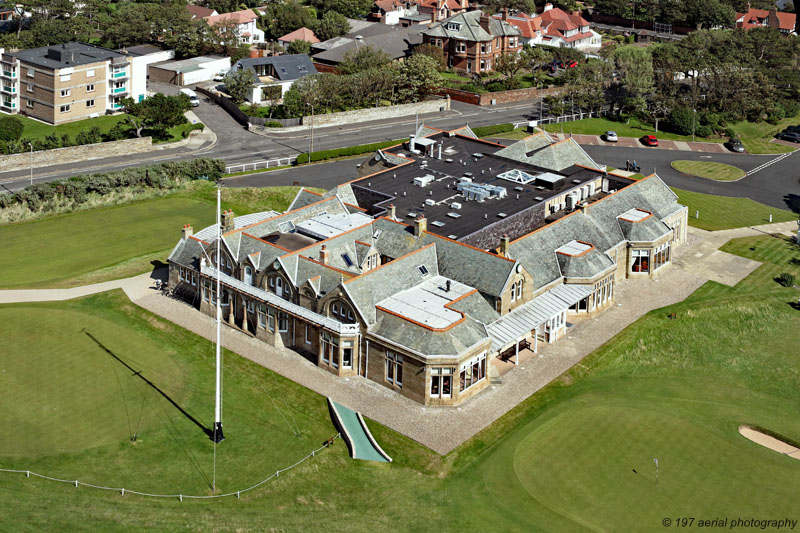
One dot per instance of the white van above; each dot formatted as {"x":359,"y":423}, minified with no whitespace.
{"x":192,"y":96}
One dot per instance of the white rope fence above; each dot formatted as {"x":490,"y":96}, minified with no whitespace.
{"x":123,"y":491}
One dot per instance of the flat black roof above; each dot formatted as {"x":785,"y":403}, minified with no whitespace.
{"x":396,"y":186}
{"x":66,"y":55}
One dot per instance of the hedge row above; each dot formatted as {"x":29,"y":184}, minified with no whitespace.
{"x":483,"y":131}
{"x":77,"y":188}
{"x":350,"y":150}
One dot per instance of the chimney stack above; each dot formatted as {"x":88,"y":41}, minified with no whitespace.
{"x":484,"y":23}
{"x":187,"y":232}
{"x":391,"y":212}
{"x":505,"y":14}
{"x":504,"y":243}
{"x":227,"y":221}
{"x":420,"y":225}
{"x":323,"y":255}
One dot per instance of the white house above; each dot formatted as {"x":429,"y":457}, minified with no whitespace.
{"x":275,"y":72}
{"x":245,"y":22}
{"x":555,"y":27}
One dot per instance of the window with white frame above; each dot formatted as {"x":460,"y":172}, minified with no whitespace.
{"x":472,"y":372}
{"x":347,"y":354}
{"x":441,"y":382}
{"x":251,"y":306}
{"x":516,"y":290}
{"x":90,"y":88}
{"x":330,"y":349}
{"x":65,"y":92}
{"x":283,"y":322}
{"x":483,"y":64}
{"x":271,"y":319}
{"x":65,"y":108}
{"x":206,"y":290}
{"x":640,"y":260}
{"x":28,"y":102}
{"x":30,"y":87}
{"x":65,"y":77}
{"x":262,"y":315}
{"x":394,"y":368}
{"x":90,"y":73}
{"x":89,"y":103}
{"x":308,"y":334}
{"x":661,"y":256}
{"x":31,"y":73}
{"x":461,"y":47}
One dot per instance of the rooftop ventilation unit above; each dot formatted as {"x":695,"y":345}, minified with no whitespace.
{"x":502,"y":215}
{"x":538,"y":198}
{"x":576,"y":181}
{"x":519,"y":189}
{"x":477,"y":155}
{"x":452,"y":237}
{"x":481,"y":192}
{"x":423,"y":181}
{"x":455,"y":205}
{"x":430,"y":202}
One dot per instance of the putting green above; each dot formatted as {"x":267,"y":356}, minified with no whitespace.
{"x":68,"y":393}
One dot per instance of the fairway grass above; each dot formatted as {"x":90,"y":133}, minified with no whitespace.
{"x":576,"y":455}
{"x":708,"y":170}
{"x":631,"y":128}
{"x":723,"y":212}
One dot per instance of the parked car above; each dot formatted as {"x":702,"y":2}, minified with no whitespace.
{"x":793,"y":129}
{"x":735,"y":145}
{"x":610,"y":136}
{"x":571,"y":64}
{"x":649,"y":140}
{"x":789,"y":136}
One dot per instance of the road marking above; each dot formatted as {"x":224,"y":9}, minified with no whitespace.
{"x":768,"y":163}
{"x":706,"y":156}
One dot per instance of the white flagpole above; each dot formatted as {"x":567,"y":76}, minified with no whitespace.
{"x":218,"y":436}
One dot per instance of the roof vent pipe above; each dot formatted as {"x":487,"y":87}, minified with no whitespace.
{"x":411,"y":144}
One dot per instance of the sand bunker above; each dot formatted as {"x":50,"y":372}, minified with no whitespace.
{"x":769,"y":442}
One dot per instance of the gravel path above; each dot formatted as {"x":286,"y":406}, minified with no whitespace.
{"x":441,"y":428}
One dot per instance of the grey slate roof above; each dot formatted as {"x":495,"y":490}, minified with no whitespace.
{"x":470,"y":28}
{"x":454,"y":341}
{"x":556,"y":156}
{"x":303,"y":198}
{"x":395,"y":42}
{"x":401,"y":274}
{"x":286,"y":67}
{"x":647,"y":230}
{"x":585,"y":266}
{"x":476,"y":307}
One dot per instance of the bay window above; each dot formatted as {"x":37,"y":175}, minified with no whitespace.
{"x":661,"y":256}
{"x":441,"y":382}
{"x":472,"y":371}
{"x":640,"y":261}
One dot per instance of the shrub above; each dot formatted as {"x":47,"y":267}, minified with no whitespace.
{"x":681,"y":120}
{"x":703,"y":130}
{"x":342,"y":152}
{"x":730,"y":133}
{"x":11,"y":128}
{"x":273,"y":124}
{"x":785,"y":279}
{"x":484,"y":131}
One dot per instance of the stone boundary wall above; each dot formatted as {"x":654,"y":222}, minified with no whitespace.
{"x":438,"y":105}
{"x":500,"y":97}
{"x":75,"y":154}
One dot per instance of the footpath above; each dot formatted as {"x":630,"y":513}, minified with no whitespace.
{"x":439,"y":428}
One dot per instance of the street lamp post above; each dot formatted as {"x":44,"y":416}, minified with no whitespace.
{"x":31,"y":145}
{"x":311,"y":141}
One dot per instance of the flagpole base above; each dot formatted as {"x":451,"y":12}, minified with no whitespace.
{"x":217,"y":436}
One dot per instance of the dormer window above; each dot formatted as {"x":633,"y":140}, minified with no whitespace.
{"x":455,"y":26}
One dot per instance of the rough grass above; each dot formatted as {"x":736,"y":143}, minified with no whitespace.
{"x":108,"y":243}
{"x":708,"y":170}
{"x":35,"y":129}
{"x":576,"y":455}
{"x":722,"y":212}
{"x":631,"y":128}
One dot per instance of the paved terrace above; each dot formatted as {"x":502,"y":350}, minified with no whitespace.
{"x":443,"y":429}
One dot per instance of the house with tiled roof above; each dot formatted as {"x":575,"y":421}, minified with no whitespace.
{"x":391,"y":11}
{"x":274,"y":75}
{"x":199,"y":12}
{"x":567,"y":30}
{"x":243,"y":23}
{"x":756,"y":18}
{"x":419,"y":277}
{"x":300,"y":34}
{"x":472,"y":41}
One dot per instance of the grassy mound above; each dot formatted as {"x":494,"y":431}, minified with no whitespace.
{"x":708,"y":170}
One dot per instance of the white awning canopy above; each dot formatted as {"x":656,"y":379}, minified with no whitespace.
{"x":521,"y":321}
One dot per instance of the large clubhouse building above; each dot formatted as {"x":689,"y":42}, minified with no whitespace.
{"x":449,"y":252}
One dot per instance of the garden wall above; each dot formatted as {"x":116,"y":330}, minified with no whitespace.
{"x":74,"y":154}
{"x":500,"y":97}
{"x":437,"y":105}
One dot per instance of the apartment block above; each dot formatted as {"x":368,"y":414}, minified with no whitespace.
{"x":64,"y":83}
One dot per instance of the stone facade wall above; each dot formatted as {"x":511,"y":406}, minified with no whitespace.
{"x":74,"y":154}
{"x":500,"y":97}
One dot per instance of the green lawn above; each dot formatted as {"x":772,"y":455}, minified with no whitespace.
{"x":722,"y":212}
{"x":708,"y":170}
{"x":632,"y":128}
{"x":576,"y":455}
{"x":35,"y":129}
{"x":109,"y":243}
{"x":755,"y":136}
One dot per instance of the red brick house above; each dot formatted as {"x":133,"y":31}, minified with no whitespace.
{"x":754,"y":18}
{"x":472,"y":41}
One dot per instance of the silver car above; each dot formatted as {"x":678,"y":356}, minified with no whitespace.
{"x":610,"y":136}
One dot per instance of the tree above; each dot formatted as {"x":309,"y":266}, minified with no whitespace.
{"x":434,"y":52}
{"x":193,"y":42}
{"x":299,"y":47}
{"x":11,"y":128}
{"x":635,"y":68}
{"x":284,"y":18}
{"x":526,"y":6}
{"x":332,"y":25}
{"x":510,"y":63}
{"x":348,"y":8}
{"x":239,"y":84}
{"x":417,"y":77}
{"x":158,"y":113}
{"x":363,"y":58}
